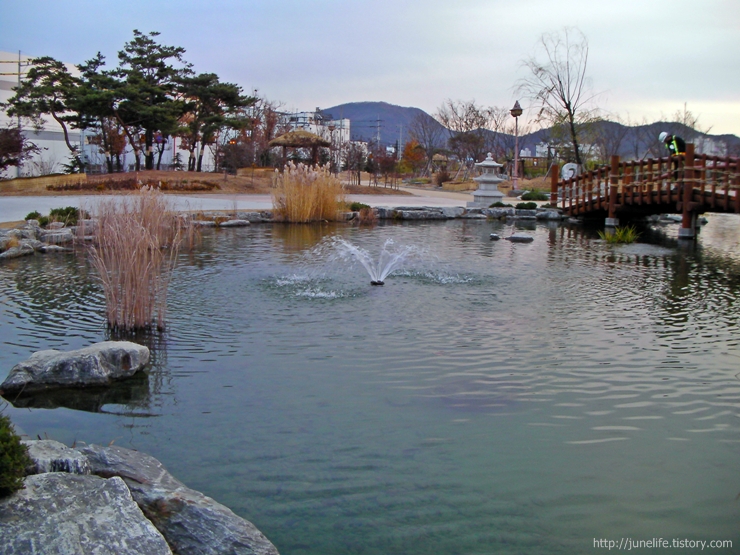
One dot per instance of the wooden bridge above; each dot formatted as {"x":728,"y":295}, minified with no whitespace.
{"x":686,"y":184}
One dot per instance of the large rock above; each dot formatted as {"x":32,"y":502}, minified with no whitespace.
{"x":453,"y":212}
{"x":499,"y":212}
{"x":234,"y":223}
{"x":520,"y":238}
{"x":97,"y":365}
{"x":23,"y":249}
{"x":70,"y":514}
{"x":52,"y":456}
{"x":550,"y":215}
{"x":58,"y":236}
{"x":192,"y":523}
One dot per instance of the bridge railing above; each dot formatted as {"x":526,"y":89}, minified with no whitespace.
{"x":712,"y":180}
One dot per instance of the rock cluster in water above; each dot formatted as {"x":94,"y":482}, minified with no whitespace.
{"x":111,"y":500}
{"x":108,"y":499}
{"x":31,"y":238}
{"x":97,"y":365}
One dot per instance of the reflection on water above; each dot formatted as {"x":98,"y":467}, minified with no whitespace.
{"x":491,"y":398}
{"x":132,"y":394}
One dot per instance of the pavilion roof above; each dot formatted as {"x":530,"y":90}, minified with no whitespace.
{"x":298,"y":139}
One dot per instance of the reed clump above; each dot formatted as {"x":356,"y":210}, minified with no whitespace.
{"x":305,"y":194}
{"x":627,"y":234}
{"x":136,"y":243}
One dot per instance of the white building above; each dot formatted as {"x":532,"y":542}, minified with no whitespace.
{"x":54,"y":152}
{"x":710,"y":147}
{"x":336,"y":131}
{"x":50,"y":138}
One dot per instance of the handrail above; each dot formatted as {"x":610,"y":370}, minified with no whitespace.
{"x":709,"y":181}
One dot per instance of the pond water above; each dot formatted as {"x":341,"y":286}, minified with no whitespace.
{"x":490,"y":398}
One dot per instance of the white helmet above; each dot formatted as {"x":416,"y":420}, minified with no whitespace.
{"x":662,"y":137}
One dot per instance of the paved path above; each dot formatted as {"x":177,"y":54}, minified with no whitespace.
{"x":14,"y":209}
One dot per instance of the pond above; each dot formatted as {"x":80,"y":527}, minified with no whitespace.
{"x":491,"y":397}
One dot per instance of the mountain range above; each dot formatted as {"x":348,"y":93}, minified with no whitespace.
{"x":390,"y":123}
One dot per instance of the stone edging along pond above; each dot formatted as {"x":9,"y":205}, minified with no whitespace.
{"x":116,"y":500}
{"x":108,"y":499}
{"x":31,"y":238}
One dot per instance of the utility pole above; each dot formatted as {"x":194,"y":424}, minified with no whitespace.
{"x":400,"y":139}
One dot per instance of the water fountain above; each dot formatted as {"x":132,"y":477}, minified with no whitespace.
{"x":391,"y":257}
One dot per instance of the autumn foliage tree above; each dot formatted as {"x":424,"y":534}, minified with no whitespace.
{"x":414,"y":157}
{"x":14,"y":147}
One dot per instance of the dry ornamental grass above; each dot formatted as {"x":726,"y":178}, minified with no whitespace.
{"x":305,"y":194}
{"x":137,"y":240}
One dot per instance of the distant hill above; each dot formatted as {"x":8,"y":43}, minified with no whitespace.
{"x":368,"y":119}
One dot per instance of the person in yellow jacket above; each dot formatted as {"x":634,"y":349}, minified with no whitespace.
{"x":676,"y":145}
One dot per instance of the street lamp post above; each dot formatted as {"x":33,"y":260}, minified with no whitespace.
{"x":516,"y":111}
{"x":332,"y":164}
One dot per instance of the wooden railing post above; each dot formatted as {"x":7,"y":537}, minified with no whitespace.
{"x":687,"y":220}
{"x":612,"y":220}
{"x":554,"y":186}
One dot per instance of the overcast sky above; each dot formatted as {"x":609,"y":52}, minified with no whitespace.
{"x":647,"y":57}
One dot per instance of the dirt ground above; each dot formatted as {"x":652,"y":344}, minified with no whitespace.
{"x":257,"y":181}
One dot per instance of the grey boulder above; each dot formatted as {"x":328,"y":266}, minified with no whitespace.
{"x":52,"y":456}
{"x":193,"y":523}
{"x":234,"y":223}
{"x":520,"y":238}
{"x":550,"y":215}
{"x":97,"y":365}
{"x":69,"y":514}
{"x":23,"y":249}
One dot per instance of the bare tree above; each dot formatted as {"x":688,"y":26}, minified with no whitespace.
{"x":608,"y":137}
{"x":468,"y":126}
{"x":558,"y":85}
{"x":355,"y":158}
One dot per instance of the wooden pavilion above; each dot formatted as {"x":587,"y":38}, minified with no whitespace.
{"x":301,"y":139}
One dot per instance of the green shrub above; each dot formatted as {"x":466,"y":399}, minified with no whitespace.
{"x":357,"y":206}
{"x":499,"y":204}
{"x":626,"y":234}
{"x":68,"y":215}
{"x":32,"y":216}
{"x":44,"y":221}
{"x":14,"y":459}
{"x":535,"y":195}
{"x":526,"y":206}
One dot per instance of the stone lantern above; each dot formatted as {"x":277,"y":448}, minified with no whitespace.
{"x":488,"y":180}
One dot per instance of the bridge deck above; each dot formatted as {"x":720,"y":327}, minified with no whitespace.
{"x":641,"y":187}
